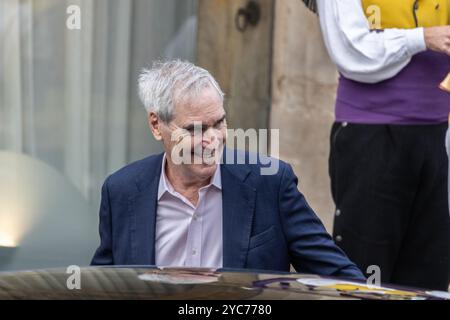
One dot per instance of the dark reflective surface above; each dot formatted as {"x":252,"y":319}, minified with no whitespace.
{"x":187,"y":284}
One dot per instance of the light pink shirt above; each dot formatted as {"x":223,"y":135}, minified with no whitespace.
{"x":186,"y":235}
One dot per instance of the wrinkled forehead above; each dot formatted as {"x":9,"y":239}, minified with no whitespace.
{"x":205,"y":106}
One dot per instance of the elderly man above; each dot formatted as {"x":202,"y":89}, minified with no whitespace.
{"x":183,"y":208}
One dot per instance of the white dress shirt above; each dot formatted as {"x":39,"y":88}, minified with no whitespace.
{"x":188,"y":235}
{"x":360,"y":54}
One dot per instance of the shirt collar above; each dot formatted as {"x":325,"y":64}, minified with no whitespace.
{"x":166,"y":186}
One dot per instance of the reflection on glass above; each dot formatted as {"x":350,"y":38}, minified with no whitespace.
{"x":68,"y":99}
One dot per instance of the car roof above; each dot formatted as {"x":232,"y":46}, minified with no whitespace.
{"x":135,"y":283}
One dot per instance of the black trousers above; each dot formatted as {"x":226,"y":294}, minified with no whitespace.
{"x":389,"y":184}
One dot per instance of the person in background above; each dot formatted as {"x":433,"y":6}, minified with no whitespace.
{"x":388,"y":164}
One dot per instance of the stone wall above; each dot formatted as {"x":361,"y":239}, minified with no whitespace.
{"x":276,"y":75}
{"x":303,"y":93}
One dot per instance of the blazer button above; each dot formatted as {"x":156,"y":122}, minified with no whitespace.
{"x":338,"y":213}
{"x":338,"y":238}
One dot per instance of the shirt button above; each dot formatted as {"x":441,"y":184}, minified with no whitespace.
{"x":195,"y":216}
{"x":338,"y":213}
{"x":194,"y":252}
{"x":338,"y":238}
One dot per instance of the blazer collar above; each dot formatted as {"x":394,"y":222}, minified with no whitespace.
{"x":142,"y":213}
{"x":238,"y":205}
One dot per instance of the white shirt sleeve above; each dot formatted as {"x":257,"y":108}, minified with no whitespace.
{"x":360,"y":54}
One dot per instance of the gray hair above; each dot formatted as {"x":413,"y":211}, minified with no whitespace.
{"x":162,"y":86}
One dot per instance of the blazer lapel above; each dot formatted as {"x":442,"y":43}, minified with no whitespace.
{"x":142,"y":212}
{"x":238,"y":209}
{"x":238,"y":204}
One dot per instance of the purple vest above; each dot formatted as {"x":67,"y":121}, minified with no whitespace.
{"x":411,"y":97}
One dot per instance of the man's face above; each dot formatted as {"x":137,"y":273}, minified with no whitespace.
{"x":194,"y":139}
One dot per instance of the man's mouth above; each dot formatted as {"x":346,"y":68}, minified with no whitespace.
{"x":206,"y":154}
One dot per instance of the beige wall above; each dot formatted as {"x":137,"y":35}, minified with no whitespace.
{"x":303,"y":87}
{"x":240,"y":61}
{"x":276,"y":75}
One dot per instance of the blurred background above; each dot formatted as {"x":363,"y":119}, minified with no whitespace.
{"x":70,"y":114}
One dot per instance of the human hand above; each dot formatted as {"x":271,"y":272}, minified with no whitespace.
{"x":438,"y":39}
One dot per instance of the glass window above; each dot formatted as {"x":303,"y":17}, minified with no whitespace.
{"x":70,"y":114}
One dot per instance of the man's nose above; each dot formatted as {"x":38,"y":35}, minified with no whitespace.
{"x":209,"y":136}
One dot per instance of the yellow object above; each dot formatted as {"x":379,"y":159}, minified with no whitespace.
{"x":362,"y":288}
{"x":445,"y":85}
{"x":400,"y":13}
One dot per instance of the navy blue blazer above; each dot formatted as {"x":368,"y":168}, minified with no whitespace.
{"x":267,"y":224}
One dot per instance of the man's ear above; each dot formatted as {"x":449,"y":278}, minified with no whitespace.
{"x":155,"y":125}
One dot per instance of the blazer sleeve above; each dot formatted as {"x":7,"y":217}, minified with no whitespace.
{"x":103,"y":255}
{"x":311,"y":248}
